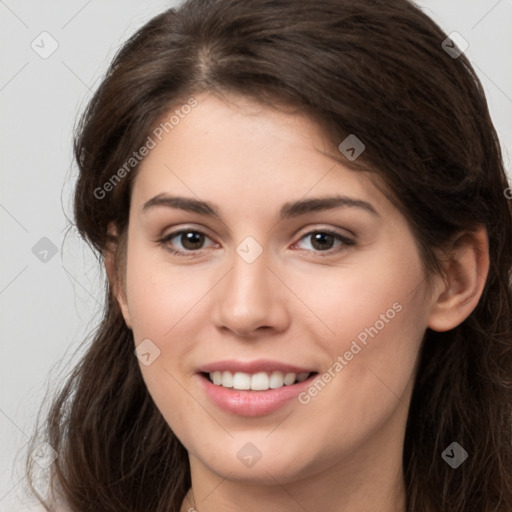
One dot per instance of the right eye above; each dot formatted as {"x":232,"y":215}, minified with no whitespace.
{"x":191,"y":241}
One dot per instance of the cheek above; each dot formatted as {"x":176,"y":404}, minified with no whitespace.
{"x":377,"y":317}
{"x":160,"y":295}
{"x":163,"y":302}
{"x":375,"y":291}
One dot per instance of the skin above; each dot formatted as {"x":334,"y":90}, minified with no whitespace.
{"x":342,"y":451}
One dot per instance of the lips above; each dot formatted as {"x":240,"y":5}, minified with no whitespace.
{"x":253,"y":388}
{"x":251,"y":367}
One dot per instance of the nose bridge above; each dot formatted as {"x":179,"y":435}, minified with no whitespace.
{"x":249,"y":278}
{"x":250,"y":297}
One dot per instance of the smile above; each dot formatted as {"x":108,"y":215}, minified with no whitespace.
{"x":253,"y":388}
{"x":261,"y":381}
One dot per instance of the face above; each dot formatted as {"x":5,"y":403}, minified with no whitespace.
{"x":256,"y":260}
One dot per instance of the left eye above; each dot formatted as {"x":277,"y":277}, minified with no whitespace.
{"x":323,"y":241}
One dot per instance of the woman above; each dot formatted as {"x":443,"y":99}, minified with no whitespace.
{"x":301,"y":212}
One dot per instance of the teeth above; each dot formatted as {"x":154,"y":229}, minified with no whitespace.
{"x":227,"y":380}
{"x":276,"y":380}
{"x":301,"y":377}
{"x":261,"y":381}
{"x":289,"y":378}
{"x":241,"y":381}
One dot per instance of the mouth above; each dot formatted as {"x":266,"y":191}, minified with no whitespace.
{"x":253,"y":388}
{"x":263,"y":387}
{"x":259,"y":381}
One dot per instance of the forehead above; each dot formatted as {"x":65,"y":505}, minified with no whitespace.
{"x":241,"y":150}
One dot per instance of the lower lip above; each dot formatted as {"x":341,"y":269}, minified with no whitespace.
{"x":252,"y":403}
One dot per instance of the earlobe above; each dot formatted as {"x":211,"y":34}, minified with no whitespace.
{"x":114,"y":273}
{"x":466,"y":269}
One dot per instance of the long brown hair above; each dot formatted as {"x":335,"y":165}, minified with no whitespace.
{"x":373,"y":68}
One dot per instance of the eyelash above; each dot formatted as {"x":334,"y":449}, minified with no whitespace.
{"x":345,"y":242}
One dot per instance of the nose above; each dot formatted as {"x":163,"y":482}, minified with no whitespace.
{"x":251,"y":299}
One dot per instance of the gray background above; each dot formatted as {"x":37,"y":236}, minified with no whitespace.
{"x":47,"y":308}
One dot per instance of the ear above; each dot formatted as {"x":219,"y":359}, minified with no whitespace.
{"x":466,"y":268}
{"x":113,"y":259}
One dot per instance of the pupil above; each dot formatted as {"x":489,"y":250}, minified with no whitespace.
{"x":320,"y":239}
{"x":190,"y":240}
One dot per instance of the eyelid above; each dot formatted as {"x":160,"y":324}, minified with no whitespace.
{"x":342,"y":232}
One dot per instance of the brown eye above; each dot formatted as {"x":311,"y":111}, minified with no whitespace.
{"x":322,"y":241}
{"x":326,"y":242}
{"x":184,"y":242}
{"x":191,"y":240}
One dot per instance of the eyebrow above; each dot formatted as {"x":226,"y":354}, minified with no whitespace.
{"x":288,"y":210}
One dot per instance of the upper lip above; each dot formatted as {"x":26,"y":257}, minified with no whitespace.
{"x":259,"y":365}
